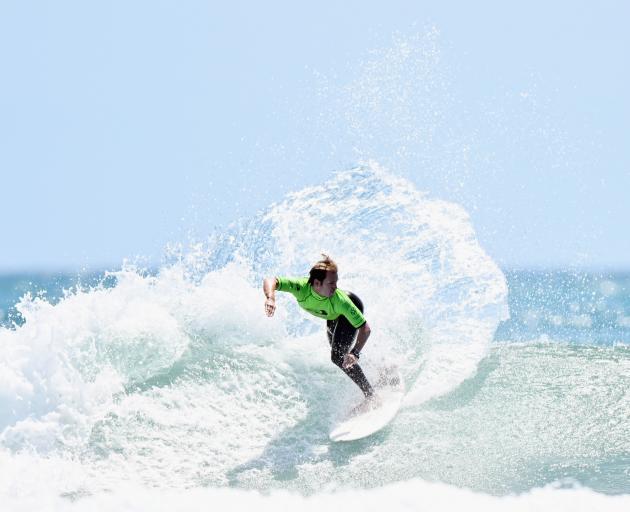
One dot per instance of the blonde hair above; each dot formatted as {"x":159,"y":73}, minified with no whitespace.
{"x":318,"y":271}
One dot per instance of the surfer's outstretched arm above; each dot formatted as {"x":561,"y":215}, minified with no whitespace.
{"x":270,"y":284}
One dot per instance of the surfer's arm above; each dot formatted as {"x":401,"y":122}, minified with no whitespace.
{"x":353,"y":356}
{"x":270,"y":284}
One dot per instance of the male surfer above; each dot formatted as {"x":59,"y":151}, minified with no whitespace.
{"x":318,"y":294}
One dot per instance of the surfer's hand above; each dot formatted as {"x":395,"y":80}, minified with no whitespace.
{"x":270,"y":306}
{"x":349,"y":360}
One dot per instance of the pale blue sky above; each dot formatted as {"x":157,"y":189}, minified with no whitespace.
{"x":125,"y":125}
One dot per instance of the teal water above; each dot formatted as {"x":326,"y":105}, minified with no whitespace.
{"x":578,"y":307}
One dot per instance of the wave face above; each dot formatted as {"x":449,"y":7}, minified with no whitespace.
{"x":176,"y":380}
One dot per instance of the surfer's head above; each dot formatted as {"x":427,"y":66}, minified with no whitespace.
{"x":323,"y":276}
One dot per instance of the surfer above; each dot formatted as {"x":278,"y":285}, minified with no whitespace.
{"x":318,"y":294}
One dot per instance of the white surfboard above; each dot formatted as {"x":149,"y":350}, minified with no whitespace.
{"x":390,"y":390}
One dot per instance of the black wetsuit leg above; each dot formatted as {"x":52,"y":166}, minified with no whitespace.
{"x":341,"y":335}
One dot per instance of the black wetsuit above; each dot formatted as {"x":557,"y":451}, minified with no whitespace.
{"x":341,"y":336}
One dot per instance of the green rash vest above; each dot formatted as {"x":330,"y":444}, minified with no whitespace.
{"x":329,"y":308}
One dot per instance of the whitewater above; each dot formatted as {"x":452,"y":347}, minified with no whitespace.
{"x":171,"y":389}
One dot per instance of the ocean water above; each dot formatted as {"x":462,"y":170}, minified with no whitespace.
{"x":169,"y":388}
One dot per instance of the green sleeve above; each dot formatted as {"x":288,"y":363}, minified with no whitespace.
{"x":295,"y":286}
{"x":350,"y":311}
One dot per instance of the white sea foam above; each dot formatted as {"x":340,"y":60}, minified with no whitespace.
{"x":63,"y":369}
{"x":403,"y":496}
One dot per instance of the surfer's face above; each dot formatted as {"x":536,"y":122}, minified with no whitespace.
{"x":328,"y":286}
